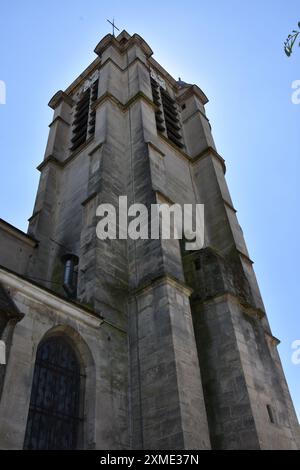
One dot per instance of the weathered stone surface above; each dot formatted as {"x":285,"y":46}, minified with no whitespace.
{"x":163,"y":367}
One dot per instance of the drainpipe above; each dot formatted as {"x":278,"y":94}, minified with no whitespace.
{"x":70,"y":275}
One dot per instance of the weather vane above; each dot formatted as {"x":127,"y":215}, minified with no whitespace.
{"x":113,"y":26}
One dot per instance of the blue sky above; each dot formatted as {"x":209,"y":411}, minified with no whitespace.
{"x":234,"y":51}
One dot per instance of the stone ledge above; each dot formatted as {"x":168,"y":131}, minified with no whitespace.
{"x":97,"y":64}
{"x":15,"y":232}
{"x":123,"y":69}
{"x":244,"y":256}
{"x":195,"y":113}
{"x":89,"y":198}
{"x":123,"y":106}
{"x":205,"y":153}
{"x":180,"y":152}
{"x":155,"y":148}
{"x":49,"y":159}
{"x":56,"y":301}
{"x":60,"y":119}
{"x":194,"y":90}
{"x":72,"y":156}
{"x":110,"y":40}
{"x":94,"y":150}
{"x":58,"y":98}
{"x":159,"y":193}
{"x":230,"y":206}
{"x":273,"y":340}
{"x":229,"y":296}
{"x":185,"y":156}
{"x":160,"y":280}
{"x":34,"y":215}
{"x":8,"y":306}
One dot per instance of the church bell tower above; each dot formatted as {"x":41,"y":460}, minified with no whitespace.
{"x":203,"y":368}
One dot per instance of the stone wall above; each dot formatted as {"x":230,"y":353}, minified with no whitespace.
{"x":102,"y":352}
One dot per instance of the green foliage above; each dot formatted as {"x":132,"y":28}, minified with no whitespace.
{"x":290,"y":41}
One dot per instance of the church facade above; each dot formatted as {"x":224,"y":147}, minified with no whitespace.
{"x":134,"y":344}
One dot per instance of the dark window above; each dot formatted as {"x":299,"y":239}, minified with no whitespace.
{"x":85,"y":117}
{"x":94,"y":97}
{"x":54,"y":418}
{"x":271,"y":414}
{"x":197,"y":264}
{"x":81,"y":120}
{"x":171,"y":118}
{"x":166,"y":114}
{"x":156,"y":99}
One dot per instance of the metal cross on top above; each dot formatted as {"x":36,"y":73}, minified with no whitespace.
{"x":114,"y":26}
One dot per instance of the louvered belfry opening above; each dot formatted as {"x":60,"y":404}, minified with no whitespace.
{"x":156,"y":99}
{"x":85,"y":117}
{"x":166,"y":114}
{"x":81,"y":120}
{"x":171,"y":118}
{"x":92,"y":121}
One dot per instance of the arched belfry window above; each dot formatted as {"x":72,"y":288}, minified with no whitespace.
{"x":54,"y":412}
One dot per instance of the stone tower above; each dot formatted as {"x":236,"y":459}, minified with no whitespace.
{"x":197,"y":362}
